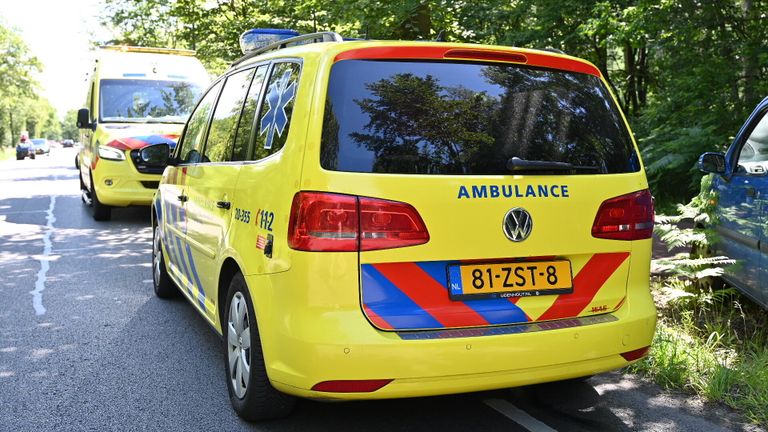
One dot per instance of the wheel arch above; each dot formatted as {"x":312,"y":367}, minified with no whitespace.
{"x":229,"y":268}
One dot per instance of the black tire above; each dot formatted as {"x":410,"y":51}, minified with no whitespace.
{"x":164,"y":286}
{"x":100,"y":212}
{"x":32,"y":156}
{"x":19,"y":157}
{"x":258,"y":400}
{"x":77,"y":161}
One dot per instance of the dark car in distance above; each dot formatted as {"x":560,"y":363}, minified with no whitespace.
{"x":24,"y":149}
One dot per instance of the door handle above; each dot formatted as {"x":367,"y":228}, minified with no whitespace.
{"x":223,"y":205}
{"x":183,"y":198}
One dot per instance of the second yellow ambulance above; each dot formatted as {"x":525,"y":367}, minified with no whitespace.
{"x":136,"y":97}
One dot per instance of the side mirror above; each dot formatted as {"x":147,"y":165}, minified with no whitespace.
{"x":84,"y":119}
{"x":712,"y":162}
{"x":158,"y":155}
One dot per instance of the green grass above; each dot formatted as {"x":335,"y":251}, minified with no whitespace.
{"x":714,"y":344}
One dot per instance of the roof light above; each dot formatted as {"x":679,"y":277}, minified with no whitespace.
{"x":254,"y":39}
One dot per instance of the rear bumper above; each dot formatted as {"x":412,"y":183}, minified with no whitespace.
{"x":320,"y":343}
{"x":126,"y":187}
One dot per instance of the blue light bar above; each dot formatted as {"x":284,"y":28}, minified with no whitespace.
{"x":254,"y":39}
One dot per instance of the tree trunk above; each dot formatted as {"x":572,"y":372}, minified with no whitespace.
{"x":642,"y":75}
{"x":630,"y":92}
{"x":750,"y":62}
{"x":601,"y":56}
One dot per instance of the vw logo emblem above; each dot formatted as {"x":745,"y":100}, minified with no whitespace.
{"x":517,"y":224}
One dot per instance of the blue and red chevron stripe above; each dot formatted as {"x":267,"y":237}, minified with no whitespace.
{"x":137,"y":142}
{"x":414,"y":296}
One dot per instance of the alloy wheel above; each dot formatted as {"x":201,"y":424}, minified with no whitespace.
{"x":239,"y":345}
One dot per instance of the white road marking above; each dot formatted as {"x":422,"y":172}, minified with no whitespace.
{"x":37,"y":293}
{"x":21,"y":212}
{"x":518,"y":416}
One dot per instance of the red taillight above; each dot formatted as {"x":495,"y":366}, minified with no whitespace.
{"x":635,"y":354}
{"x":626,"y":217}
{"x":346,"y":223}
{"x":351,"y":386}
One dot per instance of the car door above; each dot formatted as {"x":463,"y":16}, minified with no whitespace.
{"x":269,"y":178}
{"x":742,"y":206}
{"x":175,"y":197}
{"x":210,"y":189}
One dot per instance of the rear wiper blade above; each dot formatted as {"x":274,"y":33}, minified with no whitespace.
{"x":515,"y":164}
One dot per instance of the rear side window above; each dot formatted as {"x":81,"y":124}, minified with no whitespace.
{"x":463,"y":118}
{"x":276,"y":109}
{"x":247,"y":119}
{"x":192,"y":143}
{"x":224,"y":123}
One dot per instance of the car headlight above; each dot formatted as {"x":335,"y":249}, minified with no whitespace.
{"x":110,"y":153}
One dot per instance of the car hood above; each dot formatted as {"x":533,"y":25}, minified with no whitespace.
{"x":135,"y":137}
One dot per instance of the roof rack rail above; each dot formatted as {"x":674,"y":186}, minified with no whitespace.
{"x":152,"y":50}
{"x":327,"y":36}
{"x":553,"y":50}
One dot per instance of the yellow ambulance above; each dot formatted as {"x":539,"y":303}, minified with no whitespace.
{"x":136,"y":97}
{"x":388,"y":219}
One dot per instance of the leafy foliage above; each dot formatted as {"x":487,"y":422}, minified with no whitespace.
{"x":21,"y":109}
{"x":686,"y":72}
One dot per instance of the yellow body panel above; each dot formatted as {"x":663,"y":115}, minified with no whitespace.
{"x":319,"y":334}
{"x":309,"y":305}
{"x":126,"y":186}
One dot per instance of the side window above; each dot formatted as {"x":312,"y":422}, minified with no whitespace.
{"x":224,"y":123}
{"x":247,"y":119}
{"x":192,"y":142}
{"x":275,"y":115}
{"x":755,"y":149}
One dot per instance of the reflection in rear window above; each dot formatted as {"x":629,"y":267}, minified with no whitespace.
{"x":467,"y":118}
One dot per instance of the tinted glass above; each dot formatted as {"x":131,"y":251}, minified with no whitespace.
{"x":468,"y":118}
{"x":247,"y":120}
{"x":192,"y":141}
{"x":131,"y":100}
{"x":221,"y":135}
{"x":275,"y":114}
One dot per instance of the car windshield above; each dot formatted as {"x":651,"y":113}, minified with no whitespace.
{"x":146,"y":101}
{"x":417,"y":117}
{"x":38,"y":141}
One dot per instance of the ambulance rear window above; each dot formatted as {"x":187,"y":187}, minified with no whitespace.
{"x":422,"y":117}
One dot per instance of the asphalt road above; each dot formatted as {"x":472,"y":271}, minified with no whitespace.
{"x":85,"y":345}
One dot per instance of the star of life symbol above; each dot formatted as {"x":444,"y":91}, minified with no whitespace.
{"x":279,"y":95}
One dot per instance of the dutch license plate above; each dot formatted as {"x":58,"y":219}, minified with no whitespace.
{"x":518,"y":279}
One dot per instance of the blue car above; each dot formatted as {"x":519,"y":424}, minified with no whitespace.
{"x":741,"y":183}
{"x":24,"y":149}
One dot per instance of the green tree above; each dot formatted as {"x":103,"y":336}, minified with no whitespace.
{"x":68,"y":126}
{"x":17,"y":85}
{"x":685,"y":72}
